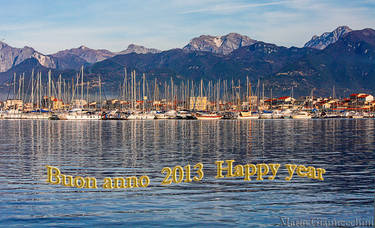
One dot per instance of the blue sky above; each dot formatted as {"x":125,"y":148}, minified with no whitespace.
{"x":50,"y":26}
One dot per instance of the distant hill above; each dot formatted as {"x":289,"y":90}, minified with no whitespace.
{"x":348,"y":64}
{"x":10,"y":57}
{"x":86,"y":54}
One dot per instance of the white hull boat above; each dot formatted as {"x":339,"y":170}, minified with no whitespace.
{"x":247,"y":115}
{"x":141,"y":116}
{"x":209,"y":116}
{"x":301,"y":115}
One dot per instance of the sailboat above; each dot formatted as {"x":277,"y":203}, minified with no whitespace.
{"x":248,"y":114}
{"x":208,"y":116}
{"x":79,"y":113}
{"x":301,"y":115}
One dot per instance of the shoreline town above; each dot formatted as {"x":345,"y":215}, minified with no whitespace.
{"x":141,"y":99}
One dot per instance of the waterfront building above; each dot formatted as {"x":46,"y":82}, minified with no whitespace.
{"x":57,"y":104}
{"x":198,"y":103}
{"x":361,"y":97}
{"x":14,"y":104}
{"x":78,"y":103}
{"x":28,"y":107}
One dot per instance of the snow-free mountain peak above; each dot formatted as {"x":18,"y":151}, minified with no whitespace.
{"x":133,"y":48}
{"x":10,"y":56}
{"x":219,"y":44}
{"x":327,"y":38}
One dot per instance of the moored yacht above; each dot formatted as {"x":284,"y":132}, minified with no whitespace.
{"x":208,"y":116}
{"x":266,"y":115}
{"x":247,"y":115}
{"x":184,"y":115}
{"x":79,"y":114}
{"x":12,"y":114}
{"x":141,"y":116}
{"x":301,"y":115}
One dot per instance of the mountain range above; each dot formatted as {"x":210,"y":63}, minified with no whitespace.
{"x":67,"y":59}
{"x":343,"y":58}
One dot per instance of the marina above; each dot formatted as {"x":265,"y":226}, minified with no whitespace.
{"x":142,"y":99}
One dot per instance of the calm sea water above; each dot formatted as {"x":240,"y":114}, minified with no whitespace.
{"x":345,"y":148}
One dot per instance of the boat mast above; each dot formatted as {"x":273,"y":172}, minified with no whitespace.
{"x":143,"y":91}
{"x":40,"y":90}
{"x":172,"y":93}
{"x":87,"y":94}
{"x":271,"y":99}
{"x":125,"y":87}
{"x":23,"y":86}
{"x":247,"y":86}
{"x":65,"y":93}
{"x":238,"y":95}
{"x":59,"y":93}
{"x":14,"y":85}
{"x":132,"y":90}
{"x":258,"y":94}
{"x":262,"y":95}
{"x":249,"y":97}
{"x":201,"y":90}
{"x":155,"y":89}
{"x":19,"y":87}
{"x":73,"y":91}
{"x":81,"y":84}
{"x":100,"y":93}
{"x":49,"y":90}
{"x":32,"y":89}
{"x":218,"y":96}
{"x":135,"y":90}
